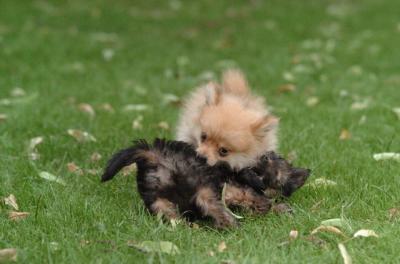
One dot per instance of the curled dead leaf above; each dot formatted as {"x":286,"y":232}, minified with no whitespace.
{"x":73,"y":168}
{"x":16,"y":216}
{"x":107,"y":107}
{"x":87,"y":108}
{"x":163,"y":125}
{"x":365,"y":233}
{"x":286,"y":88}
{"x":8,"y":254}
{"x":32,"y":151}
{"x":81,"y":136}
{"x":345,"y":255}
{"x":293,"y":234}
{"x":222,"y":247}
{"x":330,"y":229}
{"x":387,"y":156}
{"x":312,"y":101}
{"x":137,"y":123}
{"x":3,"y":117}
{"x":394,"y":213}
{"x":321,"y":182}
{"x":95,"y":157}
{"x":136,"y":107}
{"x":396,"y":110}
{"x":127,"y":170}
{"x":11,"y":201}
{"x":345,"y":134}
{"x":50,"y":177}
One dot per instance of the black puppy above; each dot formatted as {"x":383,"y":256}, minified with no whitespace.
{"x":172,"y":180}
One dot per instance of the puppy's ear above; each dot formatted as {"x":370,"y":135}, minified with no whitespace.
{"x":264,"y":125}
{"x":234,"y":81}
{"x":213,"y":93}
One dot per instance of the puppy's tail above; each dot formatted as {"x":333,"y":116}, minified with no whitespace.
{"x":140,"y":152}
{"x":234,"y":81}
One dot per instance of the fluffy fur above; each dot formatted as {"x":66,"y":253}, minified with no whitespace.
{"x":173,"y":180}
{"x":225,"y":122}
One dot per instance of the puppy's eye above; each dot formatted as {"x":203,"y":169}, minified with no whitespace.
{"x":223,"y":152}
{"x":203,"y":137}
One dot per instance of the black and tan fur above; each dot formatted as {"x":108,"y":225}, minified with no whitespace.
{"x":173,"y":180}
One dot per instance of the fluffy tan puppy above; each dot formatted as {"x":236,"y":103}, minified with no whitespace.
{"x":227,"y":122}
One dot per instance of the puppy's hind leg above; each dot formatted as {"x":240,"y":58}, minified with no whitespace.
{"x":209,"y":203}
{"x":247,"y":198}
{"x":164,"y":207}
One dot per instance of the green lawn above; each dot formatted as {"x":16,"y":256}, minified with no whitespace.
{"x":71,"y":52}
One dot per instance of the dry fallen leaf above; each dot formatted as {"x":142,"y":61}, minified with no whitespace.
{"x":73,"y":168}
{"x":222,"y":246}
{"x":396,"y":110}
{"x":337,"y":222}
{"x":163,"y":125}
{"x":108,"y":54}
{"x":11,"y":201}
{"x":107,"y":107}
{"x":155,"y":246}
{"x":81,"y":136}
{"x":394,"y":213}
{"x":387,"y":156}
{"x":137,"y":123}
{"x":321,"y":182}
{"x":17,"y":92}
{"x":345,"y":255}
{"x":87,"y":108}
{"x":95,"y":157}
{"x":359,"y":105}
{"x":330,"y":229}
{"x":50,"y":177}
{"x":3,"y":117}
{"x":8,"y":254}
{"x":32,"y":151}
{"x":129,"y":169}
{"x":293,"y":234}
{"x":211,"y":253}
{"x":136,"y":107}
{"x":312,"y":101}
{"x":345,"y":134}
{"x":171,"y":99}
{"x":286,"y":88}
{"x":16,"y":216}
{"x":365,"y":233}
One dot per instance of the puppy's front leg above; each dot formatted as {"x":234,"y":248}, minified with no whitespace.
{"x":247,"y":198}
{"x":211,"y":205}
{"x":164,"y":207}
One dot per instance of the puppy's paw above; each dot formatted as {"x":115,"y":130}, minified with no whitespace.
{"x":226,"y":220}
{"x":261,"y":205}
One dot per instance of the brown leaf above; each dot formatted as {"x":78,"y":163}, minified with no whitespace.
{"x":345,"y":134}
{"x":3,"y":117}
{"x":163,"y":125}
{"x":107,"y":107}
{"x":81,"y":136}
{"x":73,"y":168}
{"x":16,"y":216}
{"x":222,"y":247}
{"x":286,"y":88}
{"x":87,"y":108}
{"x":11,"y":201}
{"x":394,"y":213}
{"x":330,"y":229}
{"x":8,"y":254}
{"x":129,"y":169}
{"x":95,"y":157}
{"x":293,"y":234}
{"x":345,"y":255}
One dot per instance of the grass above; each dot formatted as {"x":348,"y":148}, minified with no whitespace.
{"x":325,"y":48}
